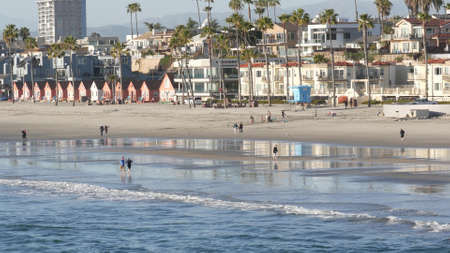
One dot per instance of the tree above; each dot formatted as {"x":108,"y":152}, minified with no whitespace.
{"x":425,"y":5}
{"x":30,"y":44}
{"x":320,"y":58}
{"x":70,"y":43}
{"x":137,"y":8}
{"x":55,"y":52}
{"x":130,"y":10}
{"x":263,"y":24}
{"x":149,"y":26}
{"x":209,"y":31}
{"x":356,"y":11}
{"x":413,"y":7}
{"x":424,"y":18}
{"x":329,"y":18}
{"x":24,"y":33}
{"x":274,"y":4}
{"x":237,"y":20}
{"x":10,"y":34}
{"x":249,"y":7}
{"x":301,"y":18}
{"x":192,"y":25}
{"x":365,"y":23}
{"x":248,"y":55}
{"x":198,"y":12}
{"x":384,"y":9}
{"x":118,"y":50}
{"x":285,"y":18}
{"x":223,"y":48}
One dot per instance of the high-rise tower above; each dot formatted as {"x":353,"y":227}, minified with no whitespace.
{"x":61,"y":18}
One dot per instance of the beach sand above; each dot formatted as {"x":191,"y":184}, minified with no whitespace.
{"x":359,"y":126}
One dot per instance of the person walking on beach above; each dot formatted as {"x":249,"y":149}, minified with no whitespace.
{"x":235,"y":127}
{"x":275,"y":152}
{"x":24,"y":134}
{"x":129,"y":162}
{"x":106,"y":130}
{"x":351,"y":102}
{"x":122,"y":163}
{"x":102,"y":129}
{"x":402,"y":135}
{"x":345,"y":104}
{"x":241,"y":127}
{"x":283,"y":114}
{"x":252,"y":120}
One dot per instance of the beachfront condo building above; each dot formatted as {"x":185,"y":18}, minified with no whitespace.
{"x":61,"y":18}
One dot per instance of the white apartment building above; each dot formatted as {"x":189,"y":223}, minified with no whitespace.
{"x":61,"y":18}
{"x":438,"y":79}
{"x":198,"y":75}
{"x":386,"y":79}
{"x":343,"y":35}
{"x":408,"y":34}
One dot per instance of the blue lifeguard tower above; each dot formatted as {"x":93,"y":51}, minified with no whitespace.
{"x":302,"y":94}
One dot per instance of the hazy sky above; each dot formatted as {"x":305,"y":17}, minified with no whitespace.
{"x":104,"y":12}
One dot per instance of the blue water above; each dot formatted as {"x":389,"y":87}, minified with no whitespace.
{"x":70,"y":196}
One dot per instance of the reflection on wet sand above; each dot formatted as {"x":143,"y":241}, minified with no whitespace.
{"x":252,"y":156}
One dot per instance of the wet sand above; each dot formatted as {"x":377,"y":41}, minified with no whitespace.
{"x":353,"y":127}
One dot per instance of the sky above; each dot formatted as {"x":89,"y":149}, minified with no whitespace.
{"x":106,"y":12}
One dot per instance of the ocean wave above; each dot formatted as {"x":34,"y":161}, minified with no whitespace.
{"x":88,"y":191}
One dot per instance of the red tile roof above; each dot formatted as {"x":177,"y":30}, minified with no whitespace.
{"x":254,"y":65}
{"x":432,"y":22}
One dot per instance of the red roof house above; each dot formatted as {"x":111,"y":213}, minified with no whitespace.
{"x":167,"y":88}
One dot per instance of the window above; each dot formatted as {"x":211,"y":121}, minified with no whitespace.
{"x":347,"y":36}
{"x":258,"y":73}
{"x":199,"y":87}
{"x":438,"y":71}
{"x":437,"y":86}
{"x":447,"y":86}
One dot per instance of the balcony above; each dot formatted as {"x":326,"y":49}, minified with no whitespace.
{"x":271,"y":41}
{"x":389,"y":37}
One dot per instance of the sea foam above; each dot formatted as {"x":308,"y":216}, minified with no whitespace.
{"x":88,"y":191}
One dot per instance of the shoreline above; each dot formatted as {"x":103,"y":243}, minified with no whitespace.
{"x":354,"y":127}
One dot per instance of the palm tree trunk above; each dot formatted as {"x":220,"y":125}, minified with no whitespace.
{"x":286,"y":89}
{"x":183,"y":80}
{"x":32,"y":77}
{"x":136,"y":18}
{"x":209,"y":86}
{"x":356,"y":11}
{"x":249,"y":13}
{"x":131,"y":24}
{"x":198,"y":13}
{"x":11,"y":63}
{"x":269,"y":88}
{"x":332,"y":65}
{"x":56,"y":86}
{"x":190,"y":81}
{"x":250,"y":80}
{"x":366,"y":59}
{"x":381,"y":23}
{"x":239,"y":63}
{"x":425,"y":52}
{"x":222,"y":83}
{"x":71,"y":74}
{"x":299,"y":55}
{"x":120,"y":74}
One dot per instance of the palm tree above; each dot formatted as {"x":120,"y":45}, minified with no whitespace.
{"x":223,"y":48}
{"x":118,"y":50}
{"x":130,"y":10}
{"x":285,"y":18}
{"x":365,"y":22}
{"x":10,"y":34}
{"x":320,"y":58}
{"x":356,"y":11}
{"x":329,"y":18}
{"x":413,"y":7}
{"x":236,"y":20}
{"x":384,"y":9}
{"x":424,"y":18}
{"x":263,"y":24}
{"x":137,"y":8}
{"x":198,"y":12}
{"x":425,"y":5}
{"x":260,"y":11}
{"x":274,"y":4}
{"x":55,"y":52}
{"x":209,"y":32}
{"x":149,"y":26}
{"x":70,"y":43}
{"x":30,"y":44}
{"x":301,"y":18}
{"x":249,"y":6}
{"x":24,"y":33}
{"x":248,"y":55}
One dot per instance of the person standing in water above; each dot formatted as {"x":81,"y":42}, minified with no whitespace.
{"x":122,"y":163}
{"x":129,"y":162}
{"x":24,"y":134}
{"x":106,"y":130}
{"x":402,"y":135}
{"x":102,"y":129}
{"x":275,"y":152}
